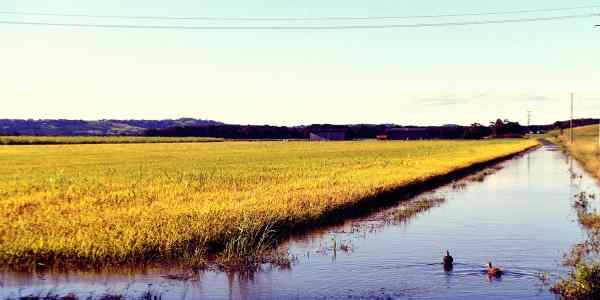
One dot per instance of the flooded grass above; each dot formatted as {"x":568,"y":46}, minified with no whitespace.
{"x":459,"y":185}
{"x":187,"y":276}
{"x":480,"y":176}
{"x":412,"y":208}
{"x":249,"y":248}
{"x":48,"y":296}
{"x":477,"y":177}
{"x":148,"y":295}
{"x":247,"y":245}
{"x":399,"y":214}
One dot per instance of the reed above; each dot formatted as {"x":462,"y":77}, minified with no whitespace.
{"x":583,"y":281}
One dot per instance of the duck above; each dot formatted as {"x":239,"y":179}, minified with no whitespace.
{"x":448,"y":261}
{"x":494,"y":271}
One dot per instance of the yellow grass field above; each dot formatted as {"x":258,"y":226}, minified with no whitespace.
{"x":130,"y":203}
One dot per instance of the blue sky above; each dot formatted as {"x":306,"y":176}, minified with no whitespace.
{"x":456,"y":74}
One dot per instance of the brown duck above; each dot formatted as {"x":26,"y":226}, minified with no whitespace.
{"x":448,"y":261}
{"x":494,"y":271}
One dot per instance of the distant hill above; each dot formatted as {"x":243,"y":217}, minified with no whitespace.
{"x":99,"y":127}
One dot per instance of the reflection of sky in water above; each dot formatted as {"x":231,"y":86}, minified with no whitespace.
{"x":520,"y":218}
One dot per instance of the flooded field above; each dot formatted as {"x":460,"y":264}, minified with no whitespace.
{"x":517,"y":215}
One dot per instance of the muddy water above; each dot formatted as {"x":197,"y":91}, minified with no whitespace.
{"x":520,"y":218}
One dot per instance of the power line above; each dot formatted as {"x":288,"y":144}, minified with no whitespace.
{"x":326,"y":18}
{"x":332,"y":27}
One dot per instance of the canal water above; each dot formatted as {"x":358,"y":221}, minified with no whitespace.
{"x":520,"y":218}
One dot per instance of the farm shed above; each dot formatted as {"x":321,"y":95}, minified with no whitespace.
{"x":327,"y":135}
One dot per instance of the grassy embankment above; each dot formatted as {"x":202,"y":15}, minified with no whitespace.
{"x":585,"y":147}
{"x":587,"y":151}
{"x":583,"y":282}
{"x":59,"y":140}
{"x":94,"y":205}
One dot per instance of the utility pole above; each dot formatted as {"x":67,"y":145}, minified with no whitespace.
{"x":598,"y":126}
{"x":529,"y":121}
{"x":572,"y":96}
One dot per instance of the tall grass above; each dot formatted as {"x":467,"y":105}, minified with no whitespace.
{"x":585,"y":147}
{"x":91,"y":205}
{"x":247,"y":246}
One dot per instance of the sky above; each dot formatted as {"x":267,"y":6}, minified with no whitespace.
{"x":419,"y":75}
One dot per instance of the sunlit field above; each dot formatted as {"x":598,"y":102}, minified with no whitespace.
{"x":54,"y":140}
{"x":132,"y":203}
{"x":585,"y":147}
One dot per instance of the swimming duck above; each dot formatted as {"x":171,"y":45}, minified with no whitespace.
{"x":494,"y":271}
{"x":448,"y":261}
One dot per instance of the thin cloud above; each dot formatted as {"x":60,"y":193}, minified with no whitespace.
{"x":534,"y":98}
{"x":589,"y":102}
{"x":591,"y":99}
{"x":442,"y":101}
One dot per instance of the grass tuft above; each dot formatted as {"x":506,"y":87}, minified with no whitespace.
{"x":582,"y":283}
{"x":247,"y":246}
{"x":412,"y":208}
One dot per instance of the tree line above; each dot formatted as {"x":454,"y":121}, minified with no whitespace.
{"x":499,"y":128}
